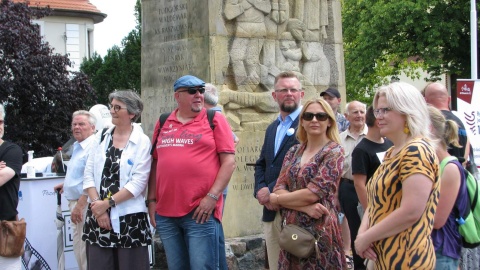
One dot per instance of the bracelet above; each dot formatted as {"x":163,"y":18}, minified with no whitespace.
{"x":215,"y":197}
{"x":147,"y":202}
{"x":96,"y":199}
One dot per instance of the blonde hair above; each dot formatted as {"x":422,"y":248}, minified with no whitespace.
{"x":332,"y":130}
{"x":406,"y":99}
{"x":445,"y":131}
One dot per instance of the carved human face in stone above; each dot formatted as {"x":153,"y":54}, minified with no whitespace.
{"x":186,"y":101}
{"x":288,"y":94}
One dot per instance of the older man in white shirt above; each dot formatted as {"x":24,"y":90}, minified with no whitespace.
{"x":83,"y":128}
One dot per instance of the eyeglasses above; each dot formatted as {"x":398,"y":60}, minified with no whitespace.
{"x":308,"y":116}
{"x":381,"y":111}
{"x":115,"y":108}
{"x":285,"y":90}
{"x":193,"y":90}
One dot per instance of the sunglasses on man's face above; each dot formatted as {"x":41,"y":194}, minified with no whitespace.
{"x":193,"y":90}
{"x":308,"y":116}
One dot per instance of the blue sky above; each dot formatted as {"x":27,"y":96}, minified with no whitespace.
{"x":119,"y":22}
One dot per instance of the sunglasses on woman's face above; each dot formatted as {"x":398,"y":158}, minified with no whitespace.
{"x":308,"y":116}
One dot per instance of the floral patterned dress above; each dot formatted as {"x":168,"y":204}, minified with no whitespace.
{"x":134,"y":228}
{"x":321,"y":175}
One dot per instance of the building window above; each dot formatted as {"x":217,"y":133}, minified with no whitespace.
{"x":72,"y":45}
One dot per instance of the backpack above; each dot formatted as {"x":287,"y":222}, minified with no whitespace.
{"x":469,"y":224}
{"x":163,"y":117}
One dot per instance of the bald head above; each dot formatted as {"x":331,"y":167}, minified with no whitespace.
{"x":436,"y":94}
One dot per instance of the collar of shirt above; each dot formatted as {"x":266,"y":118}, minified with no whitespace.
{"x":85,"y":142}
{"x":283,"y":126}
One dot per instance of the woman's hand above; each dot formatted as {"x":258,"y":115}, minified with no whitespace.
{"x":363,"y":247}
{"x":103,"y":221}
{"x":316,"y":210}
{"x":2,"y":165}
{"x":99,"y":207}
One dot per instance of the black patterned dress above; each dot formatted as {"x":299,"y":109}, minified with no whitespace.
{"x":134,"y":228}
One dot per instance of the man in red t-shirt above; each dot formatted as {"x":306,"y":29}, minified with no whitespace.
{"x":192,"y":164}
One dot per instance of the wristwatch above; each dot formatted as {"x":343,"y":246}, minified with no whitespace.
{"x":111,"y":202}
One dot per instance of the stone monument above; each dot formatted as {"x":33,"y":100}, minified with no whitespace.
{"x":239,"y":46}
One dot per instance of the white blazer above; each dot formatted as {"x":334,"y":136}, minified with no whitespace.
{"x":134,"y":170}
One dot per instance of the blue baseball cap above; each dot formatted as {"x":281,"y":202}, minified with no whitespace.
{"x":187,"y":81}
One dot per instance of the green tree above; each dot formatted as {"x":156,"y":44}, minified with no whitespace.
{"x":36,"y":88}
{"x":382,"y":39}
{"x":121,"y":67}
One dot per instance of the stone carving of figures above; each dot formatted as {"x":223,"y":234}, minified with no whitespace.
{"x":292,"y":53}
{"x":248,"y":41}
{"x":279,"y":11}
{"x":314,"y":13}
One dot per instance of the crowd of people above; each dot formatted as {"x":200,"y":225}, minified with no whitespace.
{"x":376,"y":186}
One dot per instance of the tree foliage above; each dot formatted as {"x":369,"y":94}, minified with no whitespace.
{"x":120,"y":68}
{"x":37,"y":90}
{"x":385,"y":38}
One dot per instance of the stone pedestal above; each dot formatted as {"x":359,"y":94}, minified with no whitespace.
{"x":239,"y":46}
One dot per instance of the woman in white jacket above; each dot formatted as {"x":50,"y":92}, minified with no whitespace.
{"x":116,"y":228}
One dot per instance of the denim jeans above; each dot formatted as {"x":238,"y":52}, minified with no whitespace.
{"x":445,"y":263}
{"x":189,"y":245}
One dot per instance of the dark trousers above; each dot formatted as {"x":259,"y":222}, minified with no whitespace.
{"x":117,"y":258}
{"x":348,"y":201}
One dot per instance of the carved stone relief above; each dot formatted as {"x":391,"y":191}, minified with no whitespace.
{"x":268,"y":37}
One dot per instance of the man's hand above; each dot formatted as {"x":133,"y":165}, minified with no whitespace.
{"x":3,"y":165}
{"x":263,"y":195}
{"x":205,"y":209}
{"x":58,"y":187}
{"x":77,"y":213}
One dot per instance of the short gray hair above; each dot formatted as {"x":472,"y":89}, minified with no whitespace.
{"x":2,"y":111}
{"x":348,"y":104}
{"x":91,"y":118}
{"x":131,"y":99}
{"x":211,"y":94}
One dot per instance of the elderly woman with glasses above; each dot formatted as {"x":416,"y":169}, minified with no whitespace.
{"x":402,"y":195}
{"x":116,"y":229}
{"x":307,"y":185}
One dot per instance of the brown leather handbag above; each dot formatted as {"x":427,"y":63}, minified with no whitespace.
{"x":12,"y":238}
{"x":297,"y":241}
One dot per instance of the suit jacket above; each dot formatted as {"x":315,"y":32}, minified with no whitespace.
{"x":268,"y":166}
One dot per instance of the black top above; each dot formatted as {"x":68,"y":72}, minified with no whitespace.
{"x":13,"y":157}
{"x":364,"y":157}
{"x":458,"y":152}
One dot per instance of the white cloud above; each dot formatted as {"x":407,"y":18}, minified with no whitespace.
{"x":119,"y":22}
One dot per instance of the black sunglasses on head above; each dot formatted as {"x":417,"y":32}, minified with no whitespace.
{"x":193,"y":90}
{"x":308,"y":116}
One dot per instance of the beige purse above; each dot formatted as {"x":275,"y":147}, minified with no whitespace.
{"x":12,"y":238}
{"x":297,"y":241}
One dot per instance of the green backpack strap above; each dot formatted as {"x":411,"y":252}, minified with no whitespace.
{"x":444,"y":163}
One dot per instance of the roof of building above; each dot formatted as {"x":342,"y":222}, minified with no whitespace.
{"x":76,"y":6}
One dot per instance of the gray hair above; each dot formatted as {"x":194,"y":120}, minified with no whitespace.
{"x":348,"y":104}
{"x":131,"y":99}
{"x":406,"y":99}
{"x":91,"y":118}
{"x":2,"y":111}
{"x":211,"y":94}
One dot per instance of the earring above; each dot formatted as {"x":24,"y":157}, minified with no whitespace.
{"x":406,"y":130}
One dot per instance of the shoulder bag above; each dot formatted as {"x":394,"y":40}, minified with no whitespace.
{"x":12,"y":238}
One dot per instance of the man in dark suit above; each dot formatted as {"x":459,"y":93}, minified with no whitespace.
{"x":279,"y":137}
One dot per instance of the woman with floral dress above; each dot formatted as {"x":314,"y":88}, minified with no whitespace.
{"x":116,"y":228}
{"x":307,"y":186}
